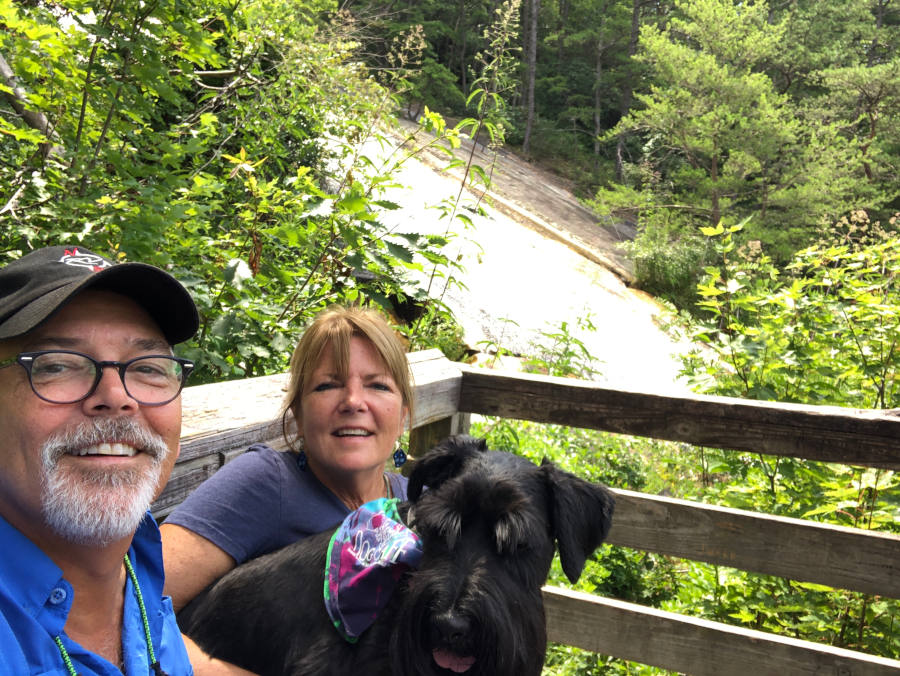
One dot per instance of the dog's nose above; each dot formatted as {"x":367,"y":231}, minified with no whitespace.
{"x":451,"y":627}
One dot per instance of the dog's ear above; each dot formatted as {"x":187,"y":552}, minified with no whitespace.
{"x":580,"y":515}
{"x":442,"y":462}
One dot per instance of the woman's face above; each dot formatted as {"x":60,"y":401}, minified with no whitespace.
{"x":351,"y":424}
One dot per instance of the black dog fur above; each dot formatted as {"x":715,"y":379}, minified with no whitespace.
{"x":488,"y":524}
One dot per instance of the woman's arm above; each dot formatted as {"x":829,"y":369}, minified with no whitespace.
{"x":226,"y":520}
{"x":204,"y":665}
{"x":191,"y":563}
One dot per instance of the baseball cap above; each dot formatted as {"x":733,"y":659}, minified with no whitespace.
{"x":41,"y":282}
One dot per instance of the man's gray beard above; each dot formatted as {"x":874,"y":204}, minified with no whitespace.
{"x":101,"y":505}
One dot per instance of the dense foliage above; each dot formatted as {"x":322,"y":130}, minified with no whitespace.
{"x":783,"y":114}
{"x":823,"y":330}
{"x":676,"y":114}
{"x":226,"y":142}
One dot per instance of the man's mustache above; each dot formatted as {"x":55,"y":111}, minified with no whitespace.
{"x":104,"y":430}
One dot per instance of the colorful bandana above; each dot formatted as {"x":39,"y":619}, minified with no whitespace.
{"x":367,"y":555}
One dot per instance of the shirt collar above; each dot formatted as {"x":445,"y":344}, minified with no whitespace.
{"x":29,"y":574}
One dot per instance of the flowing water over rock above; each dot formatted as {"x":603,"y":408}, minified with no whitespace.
{"x":536,"y":261}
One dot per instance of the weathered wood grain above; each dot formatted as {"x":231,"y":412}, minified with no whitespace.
{"x":425,"y":437}
{"x":806,"y":551}
{"x":693,"y":646}
{"x":827,"y":433}
{"x":249,"y":406}
{"x":437,"y":381}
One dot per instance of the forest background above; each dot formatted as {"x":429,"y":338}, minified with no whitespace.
{"x":753,"y":146}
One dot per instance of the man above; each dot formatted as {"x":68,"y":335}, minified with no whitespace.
{"x":90,"y":420}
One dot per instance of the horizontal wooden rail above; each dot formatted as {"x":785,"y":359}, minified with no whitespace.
{"x":826,"y":433}
{"x":694,"y":646}
{"x":847,"y":558}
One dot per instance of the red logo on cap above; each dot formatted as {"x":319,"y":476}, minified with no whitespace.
{"x":92,"y":262}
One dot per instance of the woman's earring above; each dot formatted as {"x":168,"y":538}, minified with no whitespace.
{"x":301,"y":455}
{"x":399,"y":457}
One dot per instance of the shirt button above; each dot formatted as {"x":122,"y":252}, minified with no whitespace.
{"x":57,"y":596}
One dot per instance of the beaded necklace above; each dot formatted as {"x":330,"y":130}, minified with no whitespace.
{"x":154,"y":663}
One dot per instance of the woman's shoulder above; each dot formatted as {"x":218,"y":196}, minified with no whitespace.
{"x":242,"y":507}
{"x":264,"y":451}
{"x":262,"y":456}
{"x":259,"y":471}
{"x":399,"y":485}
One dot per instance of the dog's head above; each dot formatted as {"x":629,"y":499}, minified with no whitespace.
{"x":490,"y":522}
{"x":578,"y":513}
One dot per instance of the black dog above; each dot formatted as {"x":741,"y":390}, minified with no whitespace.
{"x":487,"y":522}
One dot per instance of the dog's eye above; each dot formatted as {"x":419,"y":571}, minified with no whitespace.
{"x":511,"y":547}
{"x":442,"y":532}
{"x":510,"y":535}
{"x":434,"y":540}
{"x":426,"y":529}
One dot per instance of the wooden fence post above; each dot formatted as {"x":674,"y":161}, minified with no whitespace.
{"x":424,"y":437}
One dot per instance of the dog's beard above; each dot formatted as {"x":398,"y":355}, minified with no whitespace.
{"x":504,"y":638}
{"x":99,"y":506}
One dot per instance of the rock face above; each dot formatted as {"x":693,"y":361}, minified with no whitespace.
{"x":539,"y":259}
{"x":543,"y":202}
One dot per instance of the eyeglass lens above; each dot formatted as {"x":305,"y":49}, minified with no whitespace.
{"x":64,"y":378}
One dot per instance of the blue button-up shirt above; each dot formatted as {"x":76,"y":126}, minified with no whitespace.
{"x":35,"y":600}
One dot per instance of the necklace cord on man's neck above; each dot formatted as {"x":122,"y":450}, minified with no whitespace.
{"x":154,"y":664}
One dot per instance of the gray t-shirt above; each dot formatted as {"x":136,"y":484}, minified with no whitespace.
{"x":262,"y":501}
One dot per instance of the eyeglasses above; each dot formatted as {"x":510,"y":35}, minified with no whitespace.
{"x":65,"y":377}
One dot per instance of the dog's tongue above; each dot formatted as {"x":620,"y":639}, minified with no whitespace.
{"x":455,"y":663}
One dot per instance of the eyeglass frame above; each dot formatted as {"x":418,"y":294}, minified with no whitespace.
{"x":26,"y":361}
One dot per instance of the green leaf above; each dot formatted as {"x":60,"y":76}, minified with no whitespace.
{"x":712,"y":232}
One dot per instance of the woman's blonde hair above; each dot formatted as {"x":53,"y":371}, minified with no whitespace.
{"x":335,"y":326}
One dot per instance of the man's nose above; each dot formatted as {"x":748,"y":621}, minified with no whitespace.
{"x":110,"y":395}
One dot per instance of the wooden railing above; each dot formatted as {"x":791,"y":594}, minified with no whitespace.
{"x":222,"y":420}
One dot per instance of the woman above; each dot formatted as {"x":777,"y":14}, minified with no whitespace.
{"x":350,"y":393}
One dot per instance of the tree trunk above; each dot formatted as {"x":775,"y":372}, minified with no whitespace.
{"x":563,"y":25}
{"x":18,"y":100}
{"x":880,"y":8}
{"x":531,"y":57}
{"x":627,"y":91}
{"x":458,"y":50}
{"x":715,"y":210}
{"x":598,"y":100}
